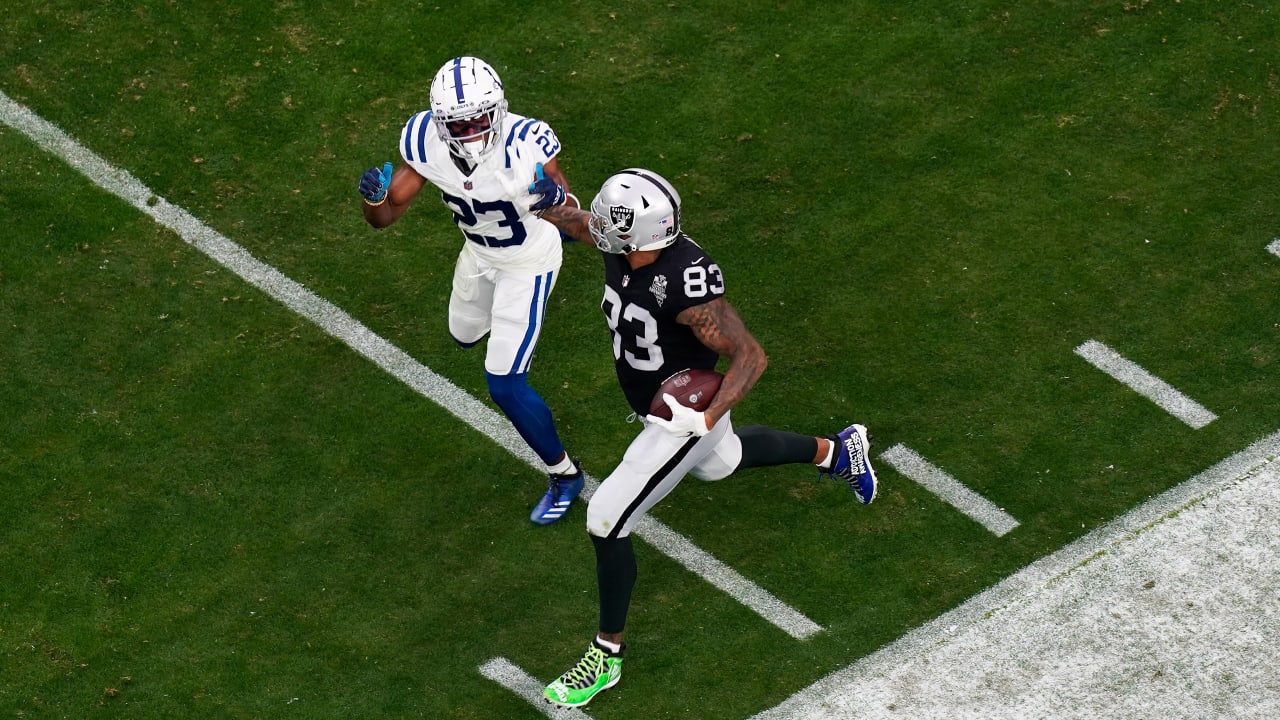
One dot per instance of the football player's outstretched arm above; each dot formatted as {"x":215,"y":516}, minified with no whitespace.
{"x":401,"y":189}
{"x":720,"y":328}
{"x":571,"y":221}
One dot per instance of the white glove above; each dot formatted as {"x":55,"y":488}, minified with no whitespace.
{"x":518,"y":194}
{"x":684,"y":422}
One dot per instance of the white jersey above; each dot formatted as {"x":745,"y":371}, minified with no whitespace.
{"x":497,"y":234}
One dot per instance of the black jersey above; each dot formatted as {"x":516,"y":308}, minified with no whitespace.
{"x":641,"y":308}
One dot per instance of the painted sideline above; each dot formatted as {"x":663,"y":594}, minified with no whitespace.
{"x":1171,"y":611}
{"x":337,"y":323}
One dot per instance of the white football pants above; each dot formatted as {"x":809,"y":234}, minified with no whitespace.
{"x":508,"y":305}
{"x":653,"y":465}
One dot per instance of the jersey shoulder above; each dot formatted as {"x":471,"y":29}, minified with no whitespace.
{"x":419,"y":140}
{"x":684,"y":276}
{"x":528,"y":140}
{"x":685,"y":252}
{"x":685,"y":257}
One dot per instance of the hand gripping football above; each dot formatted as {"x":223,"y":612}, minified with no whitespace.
{"x":693,"y":388}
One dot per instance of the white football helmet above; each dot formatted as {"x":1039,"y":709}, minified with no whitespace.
{"x":468,"y":107}
{"x":635,"y":210}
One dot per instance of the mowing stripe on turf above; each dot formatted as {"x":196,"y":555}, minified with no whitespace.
{"x":1167,"y":612}
{"x":364,"y":341}
{"x":1144,"y":383}
{"x":509,"y":675}
{"x":935,"y":480}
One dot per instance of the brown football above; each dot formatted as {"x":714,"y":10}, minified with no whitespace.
{"x":693,"y":388}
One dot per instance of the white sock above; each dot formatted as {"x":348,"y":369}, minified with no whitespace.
{"x":829,"y":460}
{"x":611,"y":647}
{"x":564,"y":467}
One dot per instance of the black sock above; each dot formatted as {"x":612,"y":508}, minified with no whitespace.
{"x":616,"y":575}
{"x":763,"y":446}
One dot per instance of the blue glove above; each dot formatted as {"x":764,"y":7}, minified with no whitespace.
{"x":549,"y":191}
{"x":374,"y":183}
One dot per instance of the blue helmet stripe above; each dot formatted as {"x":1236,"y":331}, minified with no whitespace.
{"x":457,"y":78}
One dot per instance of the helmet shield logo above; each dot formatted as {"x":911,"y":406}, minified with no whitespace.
{"x":623,"y":217}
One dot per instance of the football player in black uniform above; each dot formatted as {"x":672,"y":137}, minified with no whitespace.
{"x":664,"y":302}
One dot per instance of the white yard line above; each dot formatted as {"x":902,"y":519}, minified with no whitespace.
{"x":382,"y":353}
{"x":935,"y":480}
{"x":1274,"y":247}
{"x":1172,"y":612}
{"x":1144,"y":383}
{"x":509,"y":675}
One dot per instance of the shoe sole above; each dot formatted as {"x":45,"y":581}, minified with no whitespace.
{"x":610,"y":684}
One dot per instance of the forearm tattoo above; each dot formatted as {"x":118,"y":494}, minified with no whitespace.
{"x":571,"y":221}
{"x":720,"y":328}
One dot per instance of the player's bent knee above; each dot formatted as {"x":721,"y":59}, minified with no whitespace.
{"x":719,"y":472}
{"x":601,"y":529}
{"x":721,"y":462}
{"x":468,"y":333}
{"x":600,"y":523}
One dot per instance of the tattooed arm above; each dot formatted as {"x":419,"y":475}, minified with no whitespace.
{"x":720,"y":328}
{"x":571,"y":221}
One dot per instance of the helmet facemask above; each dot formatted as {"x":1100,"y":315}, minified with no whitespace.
{"x":612,"y":234}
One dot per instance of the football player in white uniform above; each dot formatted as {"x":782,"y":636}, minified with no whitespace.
{"x":482,"y":158}
{"x":664,"y":303}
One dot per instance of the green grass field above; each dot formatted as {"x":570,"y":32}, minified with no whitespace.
{"x":212,"y":508}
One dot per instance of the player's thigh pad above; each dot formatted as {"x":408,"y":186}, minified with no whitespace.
{"x":519,"y":304}
{"x":653,"y":465}
{"x":471,"y":302}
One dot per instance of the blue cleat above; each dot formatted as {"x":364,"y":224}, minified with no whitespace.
{"x":561,"y":491}
{"x":852,"y":463}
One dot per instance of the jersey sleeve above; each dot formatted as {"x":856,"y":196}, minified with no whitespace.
{"x":530,"y":142}
{"x":697,"y":281}
{"x":413,"y":138}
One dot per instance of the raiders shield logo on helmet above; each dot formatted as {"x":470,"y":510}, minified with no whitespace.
{"x":622,"y":217}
